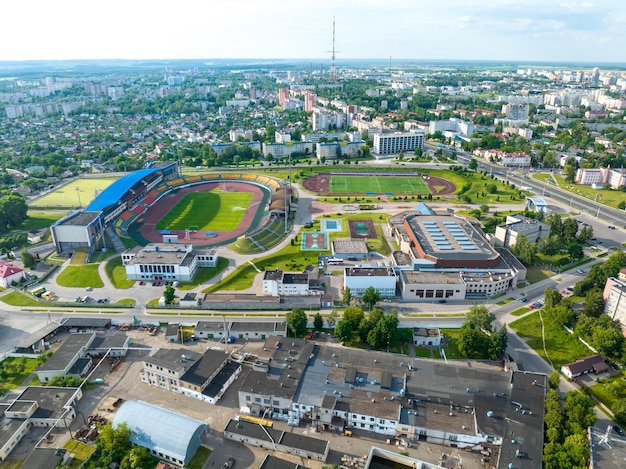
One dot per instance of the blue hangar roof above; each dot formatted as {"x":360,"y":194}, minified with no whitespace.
{"x":112,"y":194}
{"x":164,"y":431}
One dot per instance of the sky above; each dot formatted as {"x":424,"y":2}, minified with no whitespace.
{"x":505,"y":30}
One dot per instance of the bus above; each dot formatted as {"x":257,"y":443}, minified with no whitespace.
{"x":334,"y":261}
{"x":37,"y":291}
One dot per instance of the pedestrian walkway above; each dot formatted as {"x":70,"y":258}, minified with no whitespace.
{"x":115,"y":239}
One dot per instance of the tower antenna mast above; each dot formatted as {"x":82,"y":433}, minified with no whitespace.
{"x":333,"y":52}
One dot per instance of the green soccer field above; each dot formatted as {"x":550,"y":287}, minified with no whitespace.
{"x":380,"y":184}
{"x":219,"y":211}
{"x":77,"y":193}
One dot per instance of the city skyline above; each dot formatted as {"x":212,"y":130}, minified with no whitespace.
{"x":547,"y":31}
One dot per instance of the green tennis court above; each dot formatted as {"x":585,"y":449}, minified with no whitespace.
{"x":378,"y":184}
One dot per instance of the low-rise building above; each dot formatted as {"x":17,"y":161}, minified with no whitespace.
{"x":359,"y":279}
{"x":70,"y":358}
{"x":349,"y":249}
{"x":278,"y":283}
{"x":165,"y":261}
{"x":10,"y":274}
{"x":591,"y":364}
{"x":506,"y":235}
{"x":426,"y":337}
{"x":261,"y":436}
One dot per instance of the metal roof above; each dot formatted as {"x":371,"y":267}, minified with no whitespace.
{"x":112,"y":194}
{"x":164,"y":431}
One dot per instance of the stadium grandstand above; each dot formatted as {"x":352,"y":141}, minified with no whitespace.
{"x":85,"y":228}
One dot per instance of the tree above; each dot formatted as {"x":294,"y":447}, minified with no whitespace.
{"x":343,"y":331}
{"x":525,"y":251}
{"x":168,"y":294}
{"x":332,"y":318}
{"x":552,"y":297}
{"x":472,"y":341}
{"x":497,"y":344}
{"x":575,"y":251}
{"x":492,"y":188}
{"x":114,"y":441}
{"x":619,"y":410}
{"x":554,"y":378}
{"x":296,"y":321}
{"x":371,"y":296}
{"x":480,"y":316}
{"x":561,"y":314}
{"x":28,"y":260}
{"x":570,"y":173}
{"x":473,"y":164}
{"x":347,"y":296}
{"x":318,"y":322}
{"x":570,"y":228}
{"x":138,"y":458}
{"x":353,"y":315}
{"x":586,"y":233}
{"x":594,"y":303}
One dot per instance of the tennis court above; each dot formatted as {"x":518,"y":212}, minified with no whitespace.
{"x":372,"y":183}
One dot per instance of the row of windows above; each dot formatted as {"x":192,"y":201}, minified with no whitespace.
{"x":158,"y":268}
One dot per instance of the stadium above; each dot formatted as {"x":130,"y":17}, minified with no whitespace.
{"x":201,"y":210}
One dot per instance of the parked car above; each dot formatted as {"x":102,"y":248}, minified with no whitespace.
{"x":611,"y":227}
{"x":618,"y":430}
{"x":523,"y":299}
{"x":443,"y":301}
{"x":141,"y":282}
{"x":228,"y":464}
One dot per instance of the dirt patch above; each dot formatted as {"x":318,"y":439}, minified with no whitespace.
{"x":319,"y":184}
{"x":439,"y":186}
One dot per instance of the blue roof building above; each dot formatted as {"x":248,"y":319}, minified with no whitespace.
{"x":165,"y":434}
{"x":537,"y":204}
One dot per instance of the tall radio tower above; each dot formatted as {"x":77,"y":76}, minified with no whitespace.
{"x":333,"y":70}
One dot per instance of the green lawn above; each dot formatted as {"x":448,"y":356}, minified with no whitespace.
{"x":604,"y":196}
{"x":79,"y":257}
{"x":10,"y":464}
{"x":205,"y":274}
{"x":17,"y":370}
{"x":16,"y":298}
{"x":536,"y":274}
{"x":562,"y":347}
{"x":38,"y":220}
{"x":451,"y":348}
{"x":600,"y":390}
{"x":117,"y":274}
{"x":520,"y":311}
{"x":77,"y":193}
{"x":395,"y":185}
{"x":201,"y":457}
{"x":81,"y":452}
{"x":80,"y":276}
{"x":212,"y":210}
{"x":126,"y":302}
{"x":290,"y":258}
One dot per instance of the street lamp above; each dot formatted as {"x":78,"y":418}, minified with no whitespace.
{"x":78,"y":194}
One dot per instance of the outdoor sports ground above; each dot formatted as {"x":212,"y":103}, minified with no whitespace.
{"x":77,"y":193}
{"x":373,"y":183}
{"x":214,"y":213}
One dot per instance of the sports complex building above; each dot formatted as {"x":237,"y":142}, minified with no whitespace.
{"x":447,"y":257}
{"x":133,"y":205}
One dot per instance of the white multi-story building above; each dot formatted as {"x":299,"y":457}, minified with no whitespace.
{"x":164,"y":261}
{"x":615,"y":299}
{"x":277,"y":282}
{"x":325,"y":120}
{"x":359,"y":279}
{"x":451,"y":125}
{"x":281,"y":150}
{"x":282,"y":136}
{"x":589,"y":176}
{"x":516,"y":111}
{"x":506,"y":235}
{"x":329,"y":150}
{"x":386,"y":144}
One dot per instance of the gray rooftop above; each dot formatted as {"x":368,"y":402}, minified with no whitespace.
{"x":95,"y":323}
{"x":36,"y":336}
{"x":349,"y":246}
{"x":44,"y":458}
{"x":51,"y":400}
{"x":205,"y":368}
{"x":108,"y":341}
{"x":67,"y":351}
{"x":369,"y":272}
{"x":272,"y":462}
{"x":173,"y":359}
{"x":80,"y":219}
{"x":428,"y":277}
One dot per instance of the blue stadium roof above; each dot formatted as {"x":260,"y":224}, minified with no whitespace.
{"x":112,"y":194}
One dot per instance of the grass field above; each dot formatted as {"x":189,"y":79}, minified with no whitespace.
{"x":80,"y":276}
{"x":536,"y":274}
{"x":17,"y":370}
{"x":117,"y":274}
{"x":200,"y":458}
{"x":604,"y":196}
{"x":38,"y":220}
{"x":212,"y":210}
{"x":562,"y":347}
{"x":81,"y":452}
{"x":379,"y":184}
{"x":69,"y":196}
{"x":16,"y":298}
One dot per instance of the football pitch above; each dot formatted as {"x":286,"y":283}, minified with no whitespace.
{"x":218,"y":211}
{"x":77,"y":193}
{"x":378,"y":184}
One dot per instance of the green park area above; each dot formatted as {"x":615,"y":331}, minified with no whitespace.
{"x":16,"y":298}
{"x":395,"y":185}
{"x":38,"y":220}
{"x":77,"y":193}
{"x":117,"y":273}
{"x":212,"y":210}
{"x":604,"y":196}
{"x":80,"y":276}
{"x":561,"y":346}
